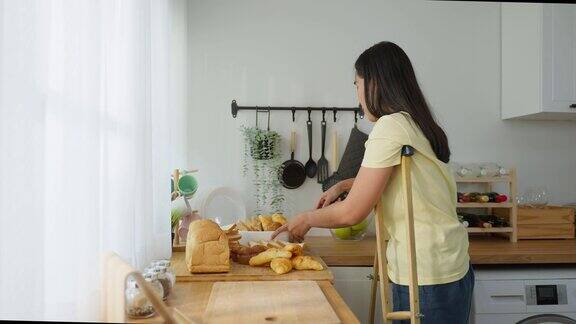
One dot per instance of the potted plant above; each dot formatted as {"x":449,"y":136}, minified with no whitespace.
{"x":262,"y":148}
{"x":175,"y":217}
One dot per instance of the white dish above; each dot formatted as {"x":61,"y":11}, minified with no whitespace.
{"x":249,"y":236}
{"x":223,"y":205}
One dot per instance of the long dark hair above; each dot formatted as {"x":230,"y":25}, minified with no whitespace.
{"x":390,"y":86}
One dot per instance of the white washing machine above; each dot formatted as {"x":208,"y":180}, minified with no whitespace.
{"x":524,"y":295}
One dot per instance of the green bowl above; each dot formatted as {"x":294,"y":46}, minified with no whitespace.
{"x":188,"y":185}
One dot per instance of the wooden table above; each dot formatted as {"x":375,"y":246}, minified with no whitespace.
{"x":191,"y":298}
{"x":483,"y":250}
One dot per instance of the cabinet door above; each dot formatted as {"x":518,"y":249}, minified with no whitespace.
{"x":353,"y":284}
{"x":559,"y":58}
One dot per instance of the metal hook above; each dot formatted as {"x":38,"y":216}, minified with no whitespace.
{"x":268,"y":126}
{"x":323,"y":114}
{"x":293,"y":114}
{"x":334,"y":111}
{"x":355,"y":117}
{"x":309,"y":112}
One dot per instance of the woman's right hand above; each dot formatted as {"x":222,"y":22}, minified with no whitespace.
{"x":329,"y":196}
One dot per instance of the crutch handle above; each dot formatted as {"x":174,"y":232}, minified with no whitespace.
{"x":407,"y":150}
{"x":401,"y":315}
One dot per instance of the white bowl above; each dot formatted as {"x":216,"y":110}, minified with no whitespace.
{"x":249,"y":236}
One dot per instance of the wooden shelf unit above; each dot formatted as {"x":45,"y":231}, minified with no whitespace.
{"x":510,"y":204}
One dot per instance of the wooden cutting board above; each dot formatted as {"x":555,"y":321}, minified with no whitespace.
{"x":242,"y":272}
{"x":268,"y":302}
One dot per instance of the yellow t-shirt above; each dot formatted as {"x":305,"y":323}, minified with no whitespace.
{"x":441,"y":241}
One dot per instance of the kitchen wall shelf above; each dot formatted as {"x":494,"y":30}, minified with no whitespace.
{"x":484,"y":180}
{"x":484,"y":205}
{"x":490,"y":230}
{"x":511,"y":205}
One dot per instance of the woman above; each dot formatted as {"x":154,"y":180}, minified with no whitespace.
{"x":391,"y":97}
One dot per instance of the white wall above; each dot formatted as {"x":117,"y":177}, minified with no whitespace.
{"x":265,"y":52}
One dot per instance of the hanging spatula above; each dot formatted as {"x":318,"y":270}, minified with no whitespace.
{"x":323,"y":163}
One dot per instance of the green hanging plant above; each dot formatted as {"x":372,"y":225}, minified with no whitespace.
{"x":262,"y":149}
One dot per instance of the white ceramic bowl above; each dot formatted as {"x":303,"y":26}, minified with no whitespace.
{"x":248,"y":236}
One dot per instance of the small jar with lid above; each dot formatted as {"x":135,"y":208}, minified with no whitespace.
{"x":137,"y":304}
{"x":164,"y":279}
{"x":169,"y":272}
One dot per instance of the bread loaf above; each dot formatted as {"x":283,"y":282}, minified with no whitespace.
{"x":207,"y":248}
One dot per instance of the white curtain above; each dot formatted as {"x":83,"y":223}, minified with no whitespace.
{"x":92,"y":120}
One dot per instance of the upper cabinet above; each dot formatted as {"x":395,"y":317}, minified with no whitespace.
{"x":539,"y":61}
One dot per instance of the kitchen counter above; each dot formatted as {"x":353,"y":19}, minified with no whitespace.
{"x":191,"y":298}
{"x":485,"y":250}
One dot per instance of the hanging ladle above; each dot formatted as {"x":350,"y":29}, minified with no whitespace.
{"x":310,"y":167}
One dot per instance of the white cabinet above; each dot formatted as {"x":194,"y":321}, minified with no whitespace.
{"x":539,"y":61}
{"x":353,"y":284}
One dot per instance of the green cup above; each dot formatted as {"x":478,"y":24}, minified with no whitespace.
{"x":188,"y":185}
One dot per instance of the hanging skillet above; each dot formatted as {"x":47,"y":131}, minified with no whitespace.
{"x":291,"y":173}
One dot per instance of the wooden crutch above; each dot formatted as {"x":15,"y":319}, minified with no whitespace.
{"x":380,"y":262}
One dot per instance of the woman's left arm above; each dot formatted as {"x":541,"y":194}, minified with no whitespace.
{"x":366,"y":190}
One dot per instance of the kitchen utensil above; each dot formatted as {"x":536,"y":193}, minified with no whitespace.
{"x":291,"y":173}
{"x":310,"y":167}
{"x":278,"y":302}
{"x":334,"y":178}
{"x":335,"y":154}
{"x":323,"y":162}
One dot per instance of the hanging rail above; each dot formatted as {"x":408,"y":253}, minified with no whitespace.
{"x":357,"y":110}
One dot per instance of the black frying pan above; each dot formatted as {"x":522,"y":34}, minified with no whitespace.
{"x":291,"y":173}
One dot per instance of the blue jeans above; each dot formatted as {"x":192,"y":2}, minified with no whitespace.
{"x":440,"y":304}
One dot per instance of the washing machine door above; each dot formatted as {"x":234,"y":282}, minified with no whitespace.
{"x":547,"y":319}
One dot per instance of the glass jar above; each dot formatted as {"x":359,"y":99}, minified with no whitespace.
{"x":164,"y":279}
{"x":137,"y":304}
{"x":169,"y":272}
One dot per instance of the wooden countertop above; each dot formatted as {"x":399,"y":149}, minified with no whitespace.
{"x":191,"y":298}
{"x":489,"y":250}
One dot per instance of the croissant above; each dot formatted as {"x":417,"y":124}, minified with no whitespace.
{"x":268,"y":255}
{"x":295,"y":249}
{"x":266,"y":222}
{"x":281,"y":265}
{"x":305,"y":262}
{"x":279,"y":218}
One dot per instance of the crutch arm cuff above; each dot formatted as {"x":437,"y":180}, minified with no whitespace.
{"x":407,"y":150}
